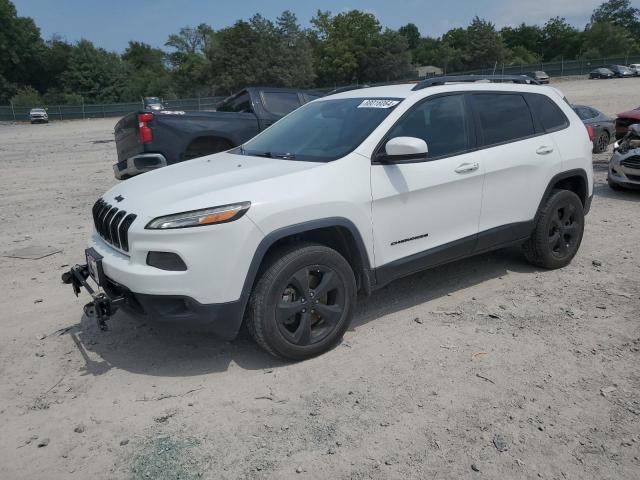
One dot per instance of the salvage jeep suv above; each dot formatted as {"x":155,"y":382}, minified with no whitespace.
{"x":345,"y":194}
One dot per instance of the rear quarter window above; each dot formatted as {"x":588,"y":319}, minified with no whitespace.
{"x":504,"y":117}
{"x":547,"y":112}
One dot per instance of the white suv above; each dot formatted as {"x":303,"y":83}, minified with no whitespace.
{"x":345,"y":194}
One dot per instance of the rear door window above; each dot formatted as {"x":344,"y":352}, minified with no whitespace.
{"x":280,"y":103}
{"x":503,"y":117}
{"x":547,"y":112}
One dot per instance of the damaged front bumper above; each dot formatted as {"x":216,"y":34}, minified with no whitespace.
{"x":223,"y":319}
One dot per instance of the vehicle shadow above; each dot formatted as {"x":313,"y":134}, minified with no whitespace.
{"x":179,"y":350}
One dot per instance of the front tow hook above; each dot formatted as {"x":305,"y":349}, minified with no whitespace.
{"x":102,"y":307}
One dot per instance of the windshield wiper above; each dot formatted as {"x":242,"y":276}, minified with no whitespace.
{"x":284,"y":156}
{"x":258,"y":154}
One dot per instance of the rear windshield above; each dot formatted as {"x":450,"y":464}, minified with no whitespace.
{"x":321,"y":131}
{"x":280,"y":103}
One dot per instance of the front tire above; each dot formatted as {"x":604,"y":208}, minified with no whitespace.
{"x":303,"y":302}
{"x":558,"y":231}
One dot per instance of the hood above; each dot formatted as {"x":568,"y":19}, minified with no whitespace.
{"x":203,"y":182}
{"x":635,"y":114}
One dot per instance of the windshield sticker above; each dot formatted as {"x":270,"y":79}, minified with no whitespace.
{"x":378,"y":103}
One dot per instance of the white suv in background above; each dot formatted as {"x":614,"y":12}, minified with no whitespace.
{"x":345,"y":194}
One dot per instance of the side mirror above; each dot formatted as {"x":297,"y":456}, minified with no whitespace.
{"x":405,"y":149}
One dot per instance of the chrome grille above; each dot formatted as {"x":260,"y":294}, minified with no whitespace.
{"x":112,"y":224}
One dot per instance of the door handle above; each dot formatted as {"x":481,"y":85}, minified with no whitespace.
{"x":467,"y":167}
{"x":544,"y":150}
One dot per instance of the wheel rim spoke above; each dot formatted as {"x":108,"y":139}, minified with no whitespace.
{"x":331,"y":314}
{"x":302,"y":335}
{"x":286,"y":310}
{"x":554,"y":239}
{"x":569,"y":210}
{"x":300,"y":281}
{"x":328,"y":283}
{"x":570,"y":230}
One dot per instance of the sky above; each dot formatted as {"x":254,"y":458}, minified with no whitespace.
{"x":112,"y":23}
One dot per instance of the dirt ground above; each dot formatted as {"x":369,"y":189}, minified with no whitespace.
{"x":485,"y":368}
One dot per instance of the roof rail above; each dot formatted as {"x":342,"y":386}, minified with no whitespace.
{"x":435,"y":81}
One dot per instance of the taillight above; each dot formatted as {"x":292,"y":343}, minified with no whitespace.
{"x":591,"y":132}
{"x":144,"y":131}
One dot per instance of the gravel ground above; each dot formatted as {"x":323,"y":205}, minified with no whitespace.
{"x":485,"y":368}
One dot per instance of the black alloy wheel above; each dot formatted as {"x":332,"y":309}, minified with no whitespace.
{"x":303,"y":301}
{"x":563,"y":230}
{"x":311,"y":306}
{"x":558,"y":231}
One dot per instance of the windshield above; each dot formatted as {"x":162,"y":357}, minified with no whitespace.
{"x":321,"y":131}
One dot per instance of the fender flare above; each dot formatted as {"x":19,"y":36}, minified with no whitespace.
{"x":576,"y":172}
{"x":269,"y":240}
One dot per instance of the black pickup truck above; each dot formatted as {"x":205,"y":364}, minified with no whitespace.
{"x":147,"y":140}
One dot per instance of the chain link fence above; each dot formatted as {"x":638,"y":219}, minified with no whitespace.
{"x":68,"y":112}
{"x":560,"y":68}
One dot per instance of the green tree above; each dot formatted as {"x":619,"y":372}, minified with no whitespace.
{"x":293,"y":57}
{"x":484,"y":44}
{"x":147,"y":74}
{"x":559,"y":39}
{"x":388,"y":58}
{"x":190,"y":67}
{"x":95,"y":74}
{"x":525,"y":36}
{"x":603,"y":39}
{"x":352,"y":48}
{"x":620,"y":13}
{"x":456,"y":38}
{"x":54,"y":62}
{"x":20,"y":50}
{"x":27,"y":97}
{"x":411,"y":33}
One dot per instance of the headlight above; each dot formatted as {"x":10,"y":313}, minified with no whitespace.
{"x":199,"y":218}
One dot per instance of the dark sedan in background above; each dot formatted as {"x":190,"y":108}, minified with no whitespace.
{"x":603,"y":73}
{"x":622,"y":71}
{"x":603,"y":128}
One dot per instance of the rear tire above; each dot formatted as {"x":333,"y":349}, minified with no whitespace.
{"x":303,"y":302}
{"x":601,"y":143}
{"x":558,"y":231}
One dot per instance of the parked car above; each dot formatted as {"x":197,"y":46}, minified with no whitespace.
{"x":635,"y":68}
{"x":152,"y":103}
{"x":624,"y":120}
{"x":150,"y":140}
{"x":621,"y":71}
{"x":539,"y":75}
{"x":601,"y":73}
{"x":624,"y":166}
{"x":38,"y":115}
{"x":282,"y":229}
{"x":601,"y":127}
